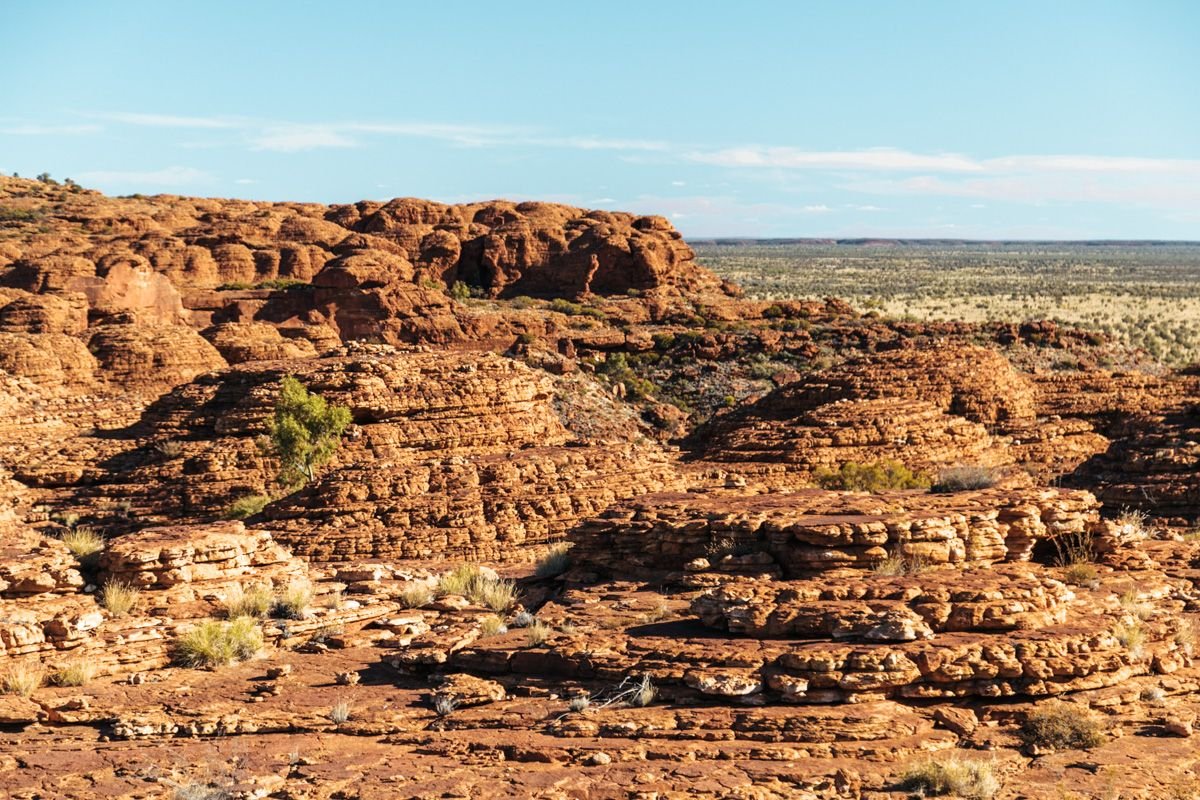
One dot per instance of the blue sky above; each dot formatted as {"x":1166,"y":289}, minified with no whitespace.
{"x":1054,"y":119}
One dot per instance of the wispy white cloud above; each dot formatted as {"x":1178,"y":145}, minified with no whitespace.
{"x":168,"y":176}
{"x":167,"y":120}
{"x":880,"y":159}
{"x":295,"y":138}
{"x":816,"y":209}
{"x":23,"y":129}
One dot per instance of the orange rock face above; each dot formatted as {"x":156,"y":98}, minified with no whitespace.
{"x":541,"y":562}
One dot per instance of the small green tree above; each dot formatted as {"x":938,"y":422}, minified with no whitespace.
{"x":305,"y":432}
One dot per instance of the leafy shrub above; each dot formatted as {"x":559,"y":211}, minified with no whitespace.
{"x":1061,"y":726}
{"x":970,"y":780}
{"x":460,"y":291}
{"x":283,"y":284}
{"x":247,"y":506}
{"x":253,"y":602}
{"x":555,"y":562}
{"x":19,"y":215}
{"x":564,"y":306}
{"x":305,"y":431}
{"x":877,"y":476}
{"x":965,"y":478}
{"x":119,"y":597}
{"x":84,"y":543}
{"x":213,"y":643}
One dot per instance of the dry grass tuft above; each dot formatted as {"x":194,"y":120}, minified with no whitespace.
{"x":119,"y":597}
{"x":492,"y":625}
{"x":214,"y":643}
{"x":255,"y":601}
{"x":1061,"y":726}
{"x":480,"y":587}
{"x":538,"y":633}
{"x":970,"y":780}
{"x":74,"y":673}
{"x":83,"y":542}
{"x":556,"y":562}
{"x":292,"y":602}
{"x":965,"y":478}
{"x":22,"y":679}
{"x":416,"y":595}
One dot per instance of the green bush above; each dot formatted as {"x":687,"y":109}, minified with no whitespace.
{"x":247,"y":506}
{"x":460,"y":291}
{"x":305,"y":431}
{"x":877,"y":476}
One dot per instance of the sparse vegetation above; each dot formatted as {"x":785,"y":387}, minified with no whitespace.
{"x":22,"y":679}
{"x":444,"y":705}
{"x":479,"y":586}
{"x":877,"y":476}
{"x":214,"y":643}
{"x":657,"y":614}
{"x":253,"y":601}
{"x":340,"y":713}
{"x":416,"y":595}
{"x":84,"y":543}
{"x":1073,"y":548}
{"x":1081,"y":574}
{"x":247,"y":506}
{"x":292,"y":602}
{"x":965,"y":478}
{"x":1132,"y":636}
{"x":119,"y":597}
{"x":644,"y":692}
{"x":492,"y":625}
{"x":169,"y":448}
{"x":304,"y":433}
{"x":538,"y":633}
{"x":579,"y":703}
{"x":898,"y":564}
{"x":970,"y":780}
{"x":78,"y":672}
{"x":460,"y":291}
{"x":555,"y":562}
{"x":1061,"y":726}
{"x":1142,"y":296}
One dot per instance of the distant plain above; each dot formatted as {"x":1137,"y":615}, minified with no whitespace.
{"x":1145,"y":294}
